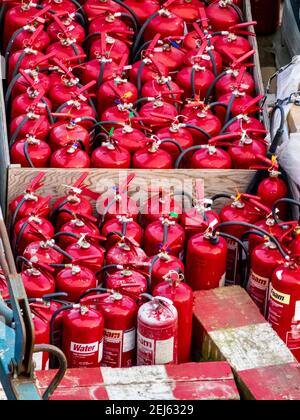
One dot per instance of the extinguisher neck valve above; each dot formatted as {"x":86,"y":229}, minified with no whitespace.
{"x":162,"y":80}
{"x":29,"y":50}
{"x":231,"y":37}
{"x":126,"y":273}
{"x":50,"y":243}
{"x":211,"y":150}
{"x":270,"y":221}
{"x":165,"y":12}
{"x":225,"y":3}
{"x":124,"y":219}
{"x":33,"y":272}
{"x":127,"y":129}
{"x":166,"y":221}
{"x":32,"y":93}
{"x":118,"y":80}
{"x":32,"y":139}
{"x":82,"y":242}
{"x":238,"y":93}
{"x":274,"y":174}
{"x":77,"y":222}
{"x":76,"y":270}
{"x":26,"y":5}
{"x":110,"y":40}
{"x":198,"y":68}
{"x":116,"y":296}
{"x":32,"y":115}
{"x":35,"y":219}
{"x":73,"y":198}
{"x":163,"y":255}
{"x":84,"y":310}
{"x":238,"y":204}
{"x":30,"y":197}
{"x":174,"y":128}
{"x":158,"y":103}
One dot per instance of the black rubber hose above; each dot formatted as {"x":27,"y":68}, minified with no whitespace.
{"x":17,"y":131}
{"x":82,"y":19}
{"x":244,"y":273}
{"x":279,"y":133}
{"x":166,"y":234}
{"x":238,"y":11}
{"x":19,"y":237}
{"x":139,"y":77}
{"x":132,"y":20}
{"x":193,"y":83}
{"x":93,"y":290}
{"x":254,"y":227}
{"x":222,"y":104}
{"x":49,"y":113}
{"x":16,"y":212}
{"x":18,"y":64}
{"x":26,"y":153}
{"x":186,"y":151}
{"x":141,"y":32}
{"x":163,"y":141}
{"x":20,"y":259}
{"x":11,"y":42}
{"x":61,"y":251}
{"x":221,"y":195}
{"x":228,"y":124}
{"x":153,"y":261}
{"x":213,"y":86}
{"x":201,"y":130}
{"x":52,"y":330}
{"x":213,"y":62}
{"x":69,"y":234}
{"x":139,"y":101}
{"x":229,"y":108}
{"x":145,"y":45}
{"x":124,"y":228}
{"x":130,"y":10}
{"x":76,"y":51}
{"x":280,"y":201}
{"x":58,"y":209}
{"x":101,"y":74}
{"x":10,"y":89}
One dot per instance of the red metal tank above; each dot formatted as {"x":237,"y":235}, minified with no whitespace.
{"x":157,"y":333}
{"x":182,"y":297}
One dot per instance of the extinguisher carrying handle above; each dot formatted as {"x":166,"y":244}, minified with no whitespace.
{"x":282,"y":201}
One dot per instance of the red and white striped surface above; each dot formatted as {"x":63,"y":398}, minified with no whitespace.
{"x":191,"y":381}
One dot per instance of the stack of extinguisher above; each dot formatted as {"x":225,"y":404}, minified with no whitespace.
{"x":133,"y":84}
{"x":131,"y":261}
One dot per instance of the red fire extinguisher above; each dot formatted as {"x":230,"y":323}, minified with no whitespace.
{"x":181,"y":295}
{"x":244,"y":208}
{"x":74,"y":201}
{"x":119,"y":313}
{"x":161,"y":265}
{"x":82,"y":336}
{"x":37,"y":278}
{"x":223,"y":14}
{"x":164,"y":231}
{"x":283,"y":309}
{"x":125,"y":252}
{"x":68,"y":131}
{"x":157,"y":332}
{"x":79,"y":225}
{"x":125,"y":225}
{"x":128,"y":281}
{"x":29,"y":202}
{"x":265,"y":258}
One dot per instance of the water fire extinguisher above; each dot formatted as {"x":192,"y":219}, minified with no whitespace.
{"x":181,"y":295}
{"x":119,"y":313}
{"x":157,"y":332}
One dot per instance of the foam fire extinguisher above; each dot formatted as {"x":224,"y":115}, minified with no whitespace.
{"x":244,"y":208}
{"x":157,"y":332}
{"x":206,"y":259}
{"x":181,"y":295}
{"x":284,"y":304}
{"x":119,"y":313}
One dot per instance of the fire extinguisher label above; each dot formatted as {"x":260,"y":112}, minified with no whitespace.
{"x":154,"y":352}
{"x":129,"y":340}
{"x":280,"y":297}
{"x":222,"y":281}
{"x":145,"y":350}
{"x":112,"y":352}
{"x":164,"y":352}
{"x":85,"y":349}
{"x":257,"y":288}
{"x":232,"y":259}
{"x":41,"y":361}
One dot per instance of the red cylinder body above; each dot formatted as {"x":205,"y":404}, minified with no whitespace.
{"x":33,"y":204}
{"x":244,"y":153}
{"x":264,"y":260}
{"x":127,"y":282}
{"x":272,"y":189}
{"x":143,"y":8}
{"x":74,"y":203}
{"x":66,"y":133}
{"x":154,"y":238}
{"x":70,"y":157}
{"x":109,"y":156}
{"x":75,"y":281}
{"x":37,"y":284}
{"x":166,"y":25}
{"x":133,"y":231}
{"x":78,"y":227}
{"x":203,"y":80}
{"x":38,"y":151}
{"x":160,"y":205}
{"x":206,"y":262}
{"x":283,"y":311}
{"x":93,"y":254}
{"x":205,"y":120}
{"x":41,"y":132}
{"x":182,"y":297}
{"x":221,"y":17}
{"x":124,"y":254}
{"x":157,"y":338}
{"x":211,"y":158}
{"x":162,"y":265}
{"x":22,"y":103}
{"x":228,"y":83}
{"x":43,"y":253}
{"x":238,"y":46}
{"x":193,"y":221}
{"x":130,"y":139}
{"x":119,"y":313}
{"x":146,"y":159}
{"x":107,"y":95}
{"x":83,"y":337}
{"x":181,"y":135}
